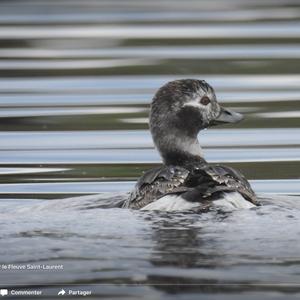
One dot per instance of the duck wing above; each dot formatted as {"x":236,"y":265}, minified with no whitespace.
{"x":212,"y":179}
{"x":198,"y":184}
{"x":156,"y":183}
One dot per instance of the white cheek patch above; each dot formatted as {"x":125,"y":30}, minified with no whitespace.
{"x":194,"y":103}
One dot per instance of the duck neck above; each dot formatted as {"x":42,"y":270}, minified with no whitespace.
{"x":180,"y":150}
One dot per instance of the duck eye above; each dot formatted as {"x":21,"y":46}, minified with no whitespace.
{"x":205,"y":100}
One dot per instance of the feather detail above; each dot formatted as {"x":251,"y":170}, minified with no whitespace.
{"x":198,"y":186}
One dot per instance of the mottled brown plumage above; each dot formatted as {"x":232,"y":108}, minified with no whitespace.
{"x":179,"y":110}
{"x":203,"y":183}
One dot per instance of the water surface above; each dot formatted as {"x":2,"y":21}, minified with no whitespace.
{"x":76,"y":80}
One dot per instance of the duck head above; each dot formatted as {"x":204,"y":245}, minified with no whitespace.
{"x":179,"y":110}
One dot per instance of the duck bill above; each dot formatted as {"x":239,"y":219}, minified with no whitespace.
{"x":227,"y":116}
